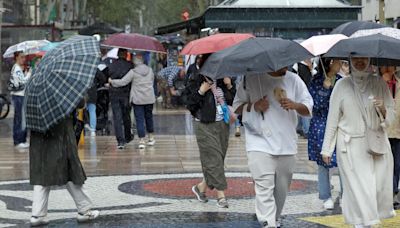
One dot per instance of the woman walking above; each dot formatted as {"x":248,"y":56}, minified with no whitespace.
{"x":205,"y":101}
{"x":360,"y":107}
{"x":142,"y":97}
{"x":17,"y":84}
{"x":321,"y":87}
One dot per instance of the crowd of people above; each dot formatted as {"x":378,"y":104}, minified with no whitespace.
{"x":340,"y":105}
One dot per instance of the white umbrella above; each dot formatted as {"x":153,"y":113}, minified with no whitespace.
{"x":318,"y":45}
{"x":26,"y":47}
{"x":392,"y":32}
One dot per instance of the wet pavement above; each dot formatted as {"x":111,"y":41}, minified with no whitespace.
{"x":152,"y":187}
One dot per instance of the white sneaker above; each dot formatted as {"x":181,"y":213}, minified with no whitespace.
{"x":142,"y":143}
{"x":328,"y":204}
{"x":151,"y":141}
{"x":22,"y":146}
{"x":39,"y":221}
{"x":92,"y":134}
{"x":88,"y":216}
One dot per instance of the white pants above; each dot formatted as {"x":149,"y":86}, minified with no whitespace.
{"x":41,"y":199}
{"x":272,"y":175}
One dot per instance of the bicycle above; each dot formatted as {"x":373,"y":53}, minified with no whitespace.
{"x":4,"y":106}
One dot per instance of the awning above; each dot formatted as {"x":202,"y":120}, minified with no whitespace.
{"x":192,"y":26}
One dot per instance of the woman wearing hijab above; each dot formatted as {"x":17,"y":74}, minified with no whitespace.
{"x":361,"y":105}
{"x":321,"y":87}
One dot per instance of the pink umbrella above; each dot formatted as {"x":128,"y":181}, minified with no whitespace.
{"x":134,"y":41}
{"x":214,"y":43}
{"x":318,"y":45}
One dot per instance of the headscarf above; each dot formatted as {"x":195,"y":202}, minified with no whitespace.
{"x":360,"y":78}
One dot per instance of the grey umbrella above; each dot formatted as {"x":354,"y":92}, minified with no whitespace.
{"x":382,"y":50}
{"x":350,"y":28}
{"x":255,"y":55}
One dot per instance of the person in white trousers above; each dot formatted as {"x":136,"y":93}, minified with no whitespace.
{"x":269,"y":104}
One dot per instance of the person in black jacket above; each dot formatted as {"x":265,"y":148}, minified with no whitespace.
{"x":119,"y":98}
{"x":205,"y":99}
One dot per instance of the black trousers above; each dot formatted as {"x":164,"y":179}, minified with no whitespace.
{"x":122,"y":119}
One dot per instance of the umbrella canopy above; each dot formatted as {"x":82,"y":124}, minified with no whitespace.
{"x":134,"y":41}
{"x":318,"y":45}
{"x":383,"y":50}
{"x":60,"y":81}
{"x":49,"y":46}
{"x":351,"y":27}
{"x":255,"y":55}
{"x":391,"y":32}
{"x":214,"y":43}
{"x":27,"y":47}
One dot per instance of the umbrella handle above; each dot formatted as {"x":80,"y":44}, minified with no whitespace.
{"x":261,"y":92}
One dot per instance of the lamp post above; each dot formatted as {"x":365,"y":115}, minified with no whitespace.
{"x":382,"y":12}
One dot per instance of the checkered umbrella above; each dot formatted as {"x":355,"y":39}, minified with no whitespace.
{"x":60,"y":81}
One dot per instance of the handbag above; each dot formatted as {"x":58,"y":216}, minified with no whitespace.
{"x":229,"y":115}
{"x":376,"y":138}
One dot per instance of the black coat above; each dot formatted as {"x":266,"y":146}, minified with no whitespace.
{"x":99,"y":80}
{"x":117,"y":70}
{"x":203,"y":107}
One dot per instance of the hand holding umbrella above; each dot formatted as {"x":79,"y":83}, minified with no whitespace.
{"x":262,"y":105}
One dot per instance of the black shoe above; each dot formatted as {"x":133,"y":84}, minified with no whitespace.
{"x":201,"y":196}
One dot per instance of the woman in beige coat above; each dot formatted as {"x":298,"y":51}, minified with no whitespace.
{"x":367,"y":179}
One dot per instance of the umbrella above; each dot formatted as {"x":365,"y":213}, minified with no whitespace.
{"x":318,"y":45}
{"x":27,"y":47}
{"x":134,"y":41}
{"x":60,"y":81}
{"x":255,"y":55}
{"x":214,"y":43}
{"x":49,"y":46}
{"x":351,"y":27}
{"x":383,"y":50}
{"x":392,"y":32}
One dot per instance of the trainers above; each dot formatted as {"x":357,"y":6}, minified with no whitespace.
{"x":92,"y":134}
{"x":222,"y":203}
{"x":201,"y":196}
{"x":328,"y":204}
{"x":151,"y":141}
{"x":22,"y":146}
{"x":121,"y":146}
{"x":237,"y":132}
{"x":142,"y":143}
{"x":39,"y":221}
{"x":88,"y":216}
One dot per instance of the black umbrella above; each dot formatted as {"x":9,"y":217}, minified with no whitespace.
{"x":351,"y":27}
{"x":255,"y":55}
{"x":382,"y":50}
{"x":99,"y":28}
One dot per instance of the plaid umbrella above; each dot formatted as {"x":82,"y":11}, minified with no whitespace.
{"x":60,"y":81}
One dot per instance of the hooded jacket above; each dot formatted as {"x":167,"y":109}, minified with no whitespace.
{"x":142,"y":88}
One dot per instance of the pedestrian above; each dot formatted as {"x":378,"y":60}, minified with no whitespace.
{"x":18,"y":80}
{"x":360,"y":108}
{"x":392,"y":79}
{"x":54,"y":161}
{"x":142,"y":98}
{"x":321,"y":87}
{"x":269,"y":104}
{"x":194,"y":68}
{"x":119,"y":97}
{"x":205,"y":101}
{"x":176,"y":84}
{"x":306,"y":70}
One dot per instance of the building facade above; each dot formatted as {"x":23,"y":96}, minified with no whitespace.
{"x":390,"y":9}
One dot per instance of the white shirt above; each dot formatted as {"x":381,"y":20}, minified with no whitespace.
{"x":276,"y":133}
{"x":18,"y":78}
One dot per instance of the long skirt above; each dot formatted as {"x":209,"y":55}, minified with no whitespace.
{"x":367,"y":181}
{"x":212,"y":139}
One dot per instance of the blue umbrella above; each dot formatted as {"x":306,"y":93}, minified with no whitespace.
{"x":50,"y":46}
{"x":60,"y":81}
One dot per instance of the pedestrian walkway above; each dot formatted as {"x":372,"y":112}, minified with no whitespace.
{"x":152,"y":187}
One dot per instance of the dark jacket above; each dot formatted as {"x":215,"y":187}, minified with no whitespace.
{"x":99,"y":80}
{"x":304,"y":73}
{"x":117,"y":70}
{"x":203,"y":107}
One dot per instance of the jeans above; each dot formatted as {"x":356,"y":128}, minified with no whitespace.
{"x":324,"y":183}
{"x":92,"y":116}
{"x":122,"y":119}
{"x":19,"y":133}
{"x":304,"y":124}
{"x":395,"y":144}
{"x":144,"y":115}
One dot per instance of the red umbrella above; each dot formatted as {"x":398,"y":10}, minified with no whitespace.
{"x":134,"y":41}
{"x":214,"y":43}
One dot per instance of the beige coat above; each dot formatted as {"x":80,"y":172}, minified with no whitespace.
{"x":367,"y":180}
{"x":394,"y":129}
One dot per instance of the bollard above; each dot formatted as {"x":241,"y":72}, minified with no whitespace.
{"x":82,"y":138}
